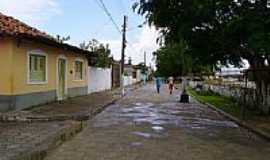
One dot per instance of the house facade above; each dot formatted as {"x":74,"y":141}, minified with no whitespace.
{"x":36,"y":68}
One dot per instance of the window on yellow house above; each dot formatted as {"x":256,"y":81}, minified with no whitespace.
{"x":37,"y":68}
{"x":78,"y":70}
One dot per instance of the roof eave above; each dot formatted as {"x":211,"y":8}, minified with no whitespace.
{"x":47,"y":41}
{"x":54,"y":43}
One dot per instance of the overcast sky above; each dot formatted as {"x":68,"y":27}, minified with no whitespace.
{"x":84,"y":20}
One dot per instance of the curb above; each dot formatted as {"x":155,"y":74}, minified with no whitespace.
{"x":76,"y":117}
{"x":241,"y":123}
{"x":62,"y":136}
{"x":52,"y":142}
{"x":78,"y":123}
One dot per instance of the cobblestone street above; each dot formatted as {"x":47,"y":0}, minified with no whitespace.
{"x":148,"y":126}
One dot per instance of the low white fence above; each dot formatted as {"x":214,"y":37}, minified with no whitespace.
{"x":99,"y":79}
{"x":246,"y":96}
{"x":129,"y":80}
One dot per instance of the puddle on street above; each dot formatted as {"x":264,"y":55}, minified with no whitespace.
{"x":148,"y":135}
{"x":185,"y":116}
{"x":158,"y":128}
{"x":136,"y":144}
{"x":142,"y":134}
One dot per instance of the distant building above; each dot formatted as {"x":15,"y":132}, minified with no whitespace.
{"x":230,"y":74}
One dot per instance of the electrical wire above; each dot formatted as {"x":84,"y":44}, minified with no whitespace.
{"x":107,"y":12}
{"x":102,"y":5}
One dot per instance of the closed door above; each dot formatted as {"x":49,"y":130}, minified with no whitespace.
{"x":61,"y":79}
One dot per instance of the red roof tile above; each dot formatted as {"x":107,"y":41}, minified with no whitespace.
{"x":10,"y":26}
{"x":14,"y":27}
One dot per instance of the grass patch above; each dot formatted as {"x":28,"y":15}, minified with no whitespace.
{"x":224,"y":103}
{"x":230,"y":106}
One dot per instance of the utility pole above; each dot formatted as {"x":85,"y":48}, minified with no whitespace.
{"x":123,"y":54}
{"x":144,"y":68}
{"x":144,"y":59}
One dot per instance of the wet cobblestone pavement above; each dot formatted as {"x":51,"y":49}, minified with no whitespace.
{"x":148,"y":126}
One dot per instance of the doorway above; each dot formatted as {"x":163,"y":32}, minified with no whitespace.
{"x":61,"y":73}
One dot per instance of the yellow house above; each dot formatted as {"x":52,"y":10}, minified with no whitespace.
{"x":35,"y":68}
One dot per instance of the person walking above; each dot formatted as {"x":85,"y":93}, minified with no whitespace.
{"x":158,"y":84}
{"x":171,"y":84}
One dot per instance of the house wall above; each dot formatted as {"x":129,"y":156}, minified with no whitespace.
{"x":25,"y":95}
{"x":99,"y":79}
{"x":128,"y":80}
{"x":139,"y":75}
{"x":5,"y":72}
{"x":128,"y":70}
{"x":5,"y":65}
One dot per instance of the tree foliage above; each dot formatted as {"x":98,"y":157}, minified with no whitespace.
{"x":61,"y":39}
{"x":224,"y":31}
{"x":174,"y":60}
{"x":216,"y":32}
{"x":101,"y":54}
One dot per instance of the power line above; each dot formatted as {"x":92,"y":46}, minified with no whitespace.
{"x":102,"y":5}
{"x":104,"y":8}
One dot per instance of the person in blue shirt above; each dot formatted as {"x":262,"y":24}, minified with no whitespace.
{"x":158,"y":84}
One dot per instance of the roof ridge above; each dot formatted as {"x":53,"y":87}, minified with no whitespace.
{"x":12,"y":23}
{"x":10,"y":26}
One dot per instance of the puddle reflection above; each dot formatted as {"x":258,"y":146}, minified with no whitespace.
{"x":186,"y":116}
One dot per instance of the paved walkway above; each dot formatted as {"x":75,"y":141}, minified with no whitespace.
{"x":50,"y":125}
{"x":20,"y":141}
{"x":148,"y":126}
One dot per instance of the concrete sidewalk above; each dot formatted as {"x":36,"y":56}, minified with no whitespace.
{"x":31,"y":134}
{"x":79,"y":108}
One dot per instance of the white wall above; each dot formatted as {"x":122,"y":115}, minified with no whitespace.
{"x":99,"y":79}
{"x":128,"y":80}
{"x":139,"y":75}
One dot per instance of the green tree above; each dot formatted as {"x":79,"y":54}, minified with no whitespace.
{"x":175,"y":60}
{"x":101,"y":54}
{"x":171,"y":60}
{"x":215,"y":30}
{"x":224,"y":31}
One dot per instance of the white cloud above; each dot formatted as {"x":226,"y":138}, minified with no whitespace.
{"x":33,"y":12}
{"x":115,"y":46}
{"x":145,"y":42}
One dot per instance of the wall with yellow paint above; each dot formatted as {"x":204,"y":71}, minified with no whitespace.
{"x":71,"y":83}
{"x":5,"y":66}
{"x":20,"y":68}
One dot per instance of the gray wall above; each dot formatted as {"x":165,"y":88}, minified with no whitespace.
{"x":78,"y":91}
{"x":20,"y":102}
{"x":6,"y":103}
